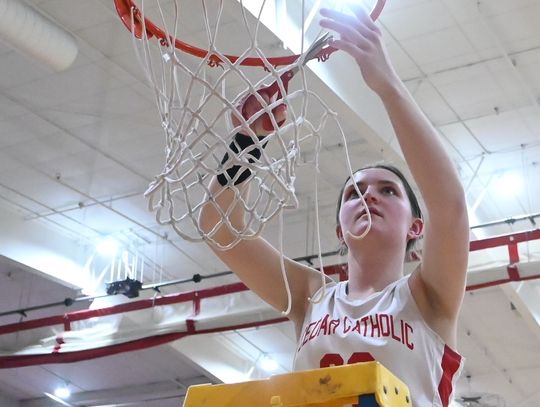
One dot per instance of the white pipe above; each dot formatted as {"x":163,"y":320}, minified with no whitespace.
{"x":31,"y":33}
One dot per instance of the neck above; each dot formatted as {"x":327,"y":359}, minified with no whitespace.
{"x":372,"y":270}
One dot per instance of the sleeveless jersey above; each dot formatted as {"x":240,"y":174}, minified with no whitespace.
{"x":386,"y":327}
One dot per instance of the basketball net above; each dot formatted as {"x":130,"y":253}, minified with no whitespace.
{"x":195,"y":111}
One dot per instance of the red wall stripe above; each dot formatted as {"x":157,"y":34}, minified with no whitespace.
{"x":139,"y":344}
{"x":32,"y":360}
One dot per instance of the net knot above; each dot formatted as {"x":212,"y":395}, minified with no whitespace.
{"x":215,"y":61}
{"x":164,"y":42}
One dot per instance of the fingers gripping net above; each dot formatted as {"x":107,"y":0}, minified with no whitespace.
{"x":196,"y":101}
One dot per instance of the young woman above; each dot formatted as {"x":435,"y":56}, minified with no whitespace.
{"x":408,"y":323}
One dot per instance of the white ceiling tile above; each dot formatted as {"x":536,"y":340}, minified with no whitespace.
{"x":432,"y":103}
{"x":524,"y":31}
{"x":181,"y":259}
{"x":137,"y":149}
{"x":53,"y":195}
{"x":9,"y":108}
{"x":87,"y":53}
{"x":4,"y":48}
{"x":463,"y":144}
{"x":463,"y":11}
{"x":500,"y":7}
{"x":19,"y":129}
{"x":102,"y":219}
{"x":127,"y":101}
{"x":128,"y":61}
{"x":68,"y":119}
{"x":135,"y":207}
{"x":481,"y":39}
{"x":417,"y":19}
{"x":121,"y":140}
{"x":17,"y":69}
{"x":47,"y":148}
{"x":121,"y":129}
{"x":71,"y":165}
{"x":404,"y":65}
{"x":110,"y":102}
{"x":394,"y":6}
{"x":117,"y":71}
{"x":66,"y":222}
{"x":473,"y":92}
{"x":459,"y":74}
{"x":71,"y":85}
{"x":528,"y":66}
{"x":150,"y":165}
{"x":511,"y":83}
{"x":503,"y":131}
{"x":115,"y":180}
{"x":110,"y":37}
{"x":38,"y":186}
{"x":7,"y":162}
{"x":77,"y":14}
{"x":440,"y":49}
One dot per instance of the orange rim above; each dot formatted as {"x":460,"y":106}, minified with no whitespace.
{"x":124,"y":8}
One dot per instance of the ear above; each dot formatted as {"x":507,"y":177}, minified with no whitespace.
{"x":416,"y":230}
{"x":339,"y":233}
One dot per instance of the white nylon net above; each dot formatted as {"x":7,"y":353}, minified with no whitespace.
{"x":196,"y":101}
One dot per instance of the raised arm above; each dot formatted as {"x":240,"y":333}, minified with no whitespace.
{"x":438,"y":284}
{"x":255,"y":261}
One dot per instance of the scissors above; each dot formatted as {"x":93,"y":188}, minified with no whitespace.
{"x":273,"y":89}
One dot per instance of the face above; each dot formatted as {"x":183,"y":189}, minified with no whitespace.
{"x":387,"y":200}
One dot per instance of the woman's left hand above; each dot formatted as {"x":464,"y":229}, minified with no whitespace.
{"x":362,"y":39}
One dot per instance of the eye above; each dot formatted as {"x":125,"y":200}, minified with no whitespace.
{"x":352,"y":194}
{"x":388,"y":190}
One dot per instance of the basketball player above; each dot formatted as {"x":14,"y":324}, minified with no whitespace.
{"x":408,"y":323}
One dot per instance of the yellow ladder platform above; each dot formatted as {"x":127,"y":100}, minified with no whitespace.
{"x":366,"y":384}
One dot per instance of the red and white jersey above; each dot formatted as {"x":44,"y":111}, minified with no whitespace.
{"x":386,"y":327}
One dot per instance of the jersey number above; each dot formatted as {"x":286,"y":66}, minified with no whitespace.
{"x":335,"y":359}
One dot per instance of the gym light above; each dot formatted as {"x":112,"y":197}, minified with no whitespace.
{"x":268,"y":364}
{"x":62,"y":392}
{"x":108,"y":246}
{"x":509,"y":184}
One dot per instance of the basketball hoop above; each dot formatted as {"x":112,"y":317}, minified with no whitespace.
{"x":137,"y":23}
{"x":196,"y":104}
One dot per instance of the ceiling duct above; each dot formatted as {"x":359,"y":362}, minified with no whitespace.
{"x":29,"y":32}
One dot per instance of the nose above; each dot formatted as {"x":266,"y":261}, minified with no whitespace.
{"x":370,"y":194}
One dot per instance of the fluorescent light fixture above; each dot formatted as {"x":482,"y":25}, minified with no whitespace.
{"x":108,"y":246}
{"x":268,"y":364}
{"x":62,"y":392}
{"x":509,"y":184}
